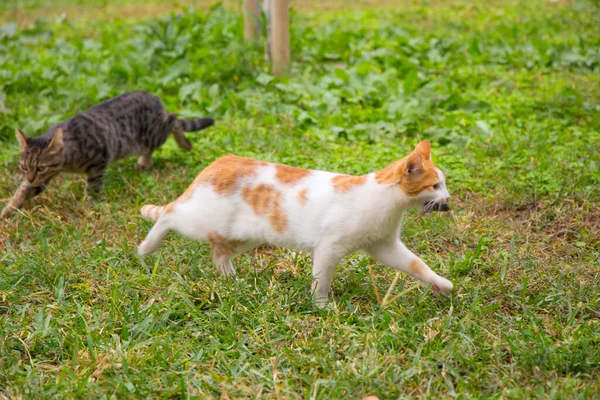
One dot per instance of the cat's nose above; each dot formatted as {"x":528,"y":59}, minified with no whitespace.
{"x":443,"y":206}
{"x":30,"y":176}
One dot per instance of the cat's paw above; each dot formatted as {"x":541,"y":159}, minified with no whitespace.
{"x":443,"y":286}
{"x":142,"y":167}
{"x":226,"y":270}
{"x":6,"y":212}
{"x":92,"y":195}
{"x":323,"y":303}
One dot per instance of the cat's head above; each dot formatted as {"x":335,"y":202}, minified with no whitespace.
{"x":40,"y":158}
{"x":420,"y":180}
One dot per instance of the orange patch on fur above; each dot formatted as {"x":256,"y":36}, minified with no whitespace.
{"x":343,"y":183}
{"x":390,"y":174}
{"x":417,"y":267}
{"x":221,"y":247}
{"x":277,"y":218}
{"x":152,"y":212}
{"x":302,"y":198}
{"x":265,"y":200}
{"x":290,"y":175}
{"x":414,"y":183}
{"x":259,"y":197}
{"x":224,"y":174}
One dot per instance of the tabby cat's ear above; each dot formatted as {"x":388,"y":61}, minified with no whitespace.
{"x":22,"y":138}
{"x":424,"y":149}
{"x":56,"y":144}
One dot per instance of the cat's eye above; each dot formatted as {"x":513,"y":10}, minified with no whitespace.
{"x":42,"y":169}
{"x":23,"y":167}
{"x":436,"y":186}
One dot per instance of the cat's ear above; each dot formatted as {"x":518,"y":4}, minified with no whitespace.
{"x":414,"y":165}
{"x":22,"y":138}
{"x":56,"y":144}
{"x":424,"y":149}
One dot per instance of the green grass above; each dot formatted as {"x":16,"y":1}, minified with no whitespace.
{"x":507,"y":91}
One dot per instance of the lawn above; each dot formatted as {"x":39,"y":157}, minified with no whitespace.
{"x":507,"y":91}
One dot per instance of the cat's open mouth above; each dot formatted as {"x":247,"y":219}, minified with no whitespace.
{"x":434,"y":205}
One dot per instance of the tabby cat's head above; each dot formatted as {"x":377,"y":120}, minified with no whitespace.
{"x":40,"y":158}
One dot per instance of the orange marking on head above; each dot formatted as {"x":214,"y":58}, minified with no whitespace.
{"x":302,"y":198}
{"x":343,"y":183}
{"x":391,"y":174}
{"x":417,"y":267}
{"x":290,"y":175}
{"x":221,"y":247}
{"x":414,"y":173}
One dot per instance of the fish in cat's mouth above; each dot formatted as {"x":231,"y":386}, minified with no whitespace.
{"x":435,"y":205}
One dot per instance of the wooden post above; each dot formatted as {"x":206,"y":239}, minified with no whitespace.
{"x":280,"y":31}
{"x":251,"y":18}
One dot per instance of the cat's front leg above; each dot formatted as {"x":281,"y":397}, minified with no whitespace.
{"x":24,"y":192}
{"x":94,"y":183}
{"x":395,"y":254}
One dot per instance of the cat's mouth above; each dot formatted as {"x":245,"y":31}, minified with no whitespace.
{"x":435,"y":205}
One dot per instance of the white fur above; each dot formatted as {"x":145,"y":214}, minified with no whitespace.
{"x":330,"y":225}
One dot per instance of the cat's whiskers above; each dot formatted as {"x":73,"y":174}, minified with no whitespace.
{"x":428,"y":207}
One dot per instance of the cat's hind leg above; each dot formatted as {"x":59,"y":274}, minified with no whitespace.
{"x":325,"y":260}
{"x":144,"y":161}
{"x":190,"y":125}
{"x":179,"y":135}
{"x":223,"y":250}
{"x":93,"y":185}
{"x":395,"y":254}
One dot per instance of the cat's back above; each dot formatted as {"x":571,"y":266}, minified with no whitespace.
{"x":111,"y":114}
{"x":131,"y":104}
{"x":277,"y":203}
{"x":233,"y":174}
{"x":128,"y":124}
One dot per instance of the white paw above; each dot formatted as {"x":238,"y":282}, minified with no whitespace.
{"x":322,"y":302}
{"x":142,"y":167}
{"x":226,"y":270}
{"x":443,"y":286}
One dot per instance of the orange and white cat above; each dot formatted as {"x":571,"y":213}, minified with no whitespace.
{"x":236,"y":204}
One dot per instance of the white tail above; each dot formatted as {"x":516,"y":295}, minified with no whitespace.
{"x":152,"y":212}
{"x":155,"y":236}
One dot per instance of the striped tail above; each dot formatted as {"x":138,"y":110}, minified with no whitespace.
{"x":152,"y":212}
{"x":191,"y":125}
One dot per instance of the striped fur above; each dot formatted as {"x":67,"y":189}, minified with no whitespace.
{"x":191,"y":125}
{"x":132,"y":124}
{"x":152,"y":212}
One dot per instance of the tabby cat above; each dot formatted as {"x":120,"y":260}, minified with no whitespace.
{"x":133,"y":123}
{"x":238,"y":203}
